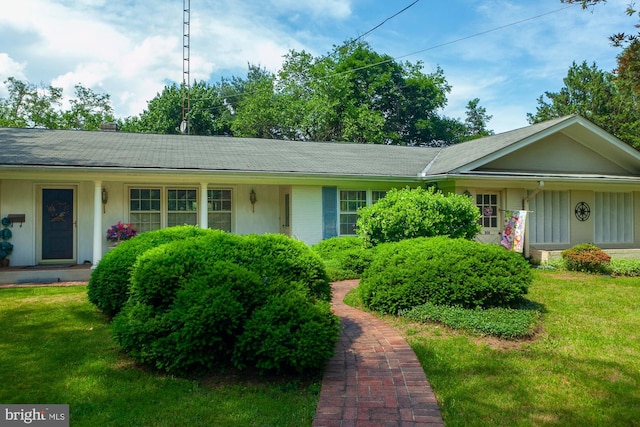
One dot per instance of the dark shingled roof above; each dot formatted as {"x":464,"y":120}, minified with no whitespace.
{"x":37,"y":147}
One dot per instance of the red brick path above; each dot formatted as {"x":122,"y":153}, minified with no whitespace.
{"x":374,"y":378}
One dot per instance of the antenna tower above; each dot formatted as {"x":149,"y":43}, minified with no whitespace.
{"x":186,"y":78}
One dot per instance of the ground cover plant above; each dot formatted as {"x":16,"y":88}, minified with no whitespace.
{"x":443,"y":271}
{"x":582,"y":366}
{"x":225,"y":301}
{"x":55,"y":347}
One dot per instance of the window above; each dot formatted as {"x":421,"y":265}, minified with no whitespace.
{"x":144,"y":208}
{"x":219,"y":207}
{"x":488,"y":205}
{"x":350,"y":202}
{"x":182,"y":207}
{"x":613,"y":217}
{"x":377,"y":195}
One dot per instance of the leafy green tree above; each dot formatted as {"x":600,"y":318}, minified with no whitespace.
{"x":208,"y":114}
{"x":257,"y":109}
{"x":598,"y":96}
{"x":29,"y":105}
{"x":88,"y":110}
{"x":351,"y":94}
{"x":617,"y":39}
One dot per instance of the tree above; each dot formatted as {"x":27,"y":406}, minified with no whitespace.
{"x":596,"y":95}
{"x":350,"y":94}
{"x":88,"y":110}
{"x":29,"y":105}
{"x":477,"y":120}
{"x":208,"y":114}
{"x":34,"y":106}
{"x":618,"y":39}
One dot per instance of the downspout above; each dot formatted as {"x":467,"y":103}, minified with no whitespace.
{"x":525,"y":206}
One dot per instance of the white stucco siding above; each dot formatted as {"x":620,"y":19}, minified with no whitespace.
{"x":306,"y":214}
{"x":18,"y":197}
{"x":265,"y":218}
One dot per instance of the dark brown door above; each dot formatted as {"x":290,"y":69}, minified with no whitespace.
{"x":57,"y":224}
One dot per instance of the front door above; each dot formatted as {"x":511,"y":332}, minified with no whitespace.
{"x":58,"y":224}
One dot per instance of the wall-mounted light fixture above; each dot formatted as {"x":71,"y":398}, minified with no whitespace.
{"x":252,"y":199}
{"x":105,"y":199}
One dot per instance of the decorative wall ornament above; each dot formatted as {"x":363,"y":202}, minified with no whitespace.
{"x":582,"y":211}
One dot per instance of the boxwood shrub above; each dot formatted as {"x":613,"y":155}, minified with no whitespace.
{"x":108,"y":287}
{"x":344,"y":257}
{"x":410,"y":213}
{"x":443,"y":271}
{"x":221,"y":300}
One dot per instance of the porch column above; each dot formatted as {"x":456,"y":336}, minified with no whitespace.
{"x":97,"y":223}
{"x":204,"y":207}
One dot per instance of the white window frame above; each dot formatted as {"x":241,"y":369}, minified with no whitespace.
{"x":211,"y":211}
{"x":368,"y":201}
{"x":489,"y":211}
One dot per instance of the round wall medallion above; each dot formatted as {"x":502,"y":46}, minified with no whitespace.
{"x":583,"y":211}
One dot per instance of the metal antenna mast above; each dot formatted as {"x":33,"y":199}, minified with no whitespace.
{"x":186,"y":78}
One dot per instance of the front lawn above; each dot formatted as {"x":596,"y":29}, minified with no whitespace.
{"x":582,"y":368}
{"x":55,"y":347}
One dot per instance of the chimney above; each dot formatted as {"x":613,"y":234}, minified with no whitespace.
{"x":109,"y":127}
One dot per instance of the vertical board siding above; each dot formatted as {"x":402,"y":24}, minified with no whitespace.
{"x":613,"y":217}
{"x":550,"y":218}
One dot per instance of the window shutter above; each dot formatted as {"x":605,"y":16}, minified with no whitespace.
{"x":329,"y":212}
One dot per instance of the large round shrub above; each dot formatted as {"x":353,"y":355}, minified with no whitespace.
{"x":197,"y":304}
{"x":344,"y":257}
{"x":443,"y":271}
{"x":409,"y":213}
{"x":108,"y":287}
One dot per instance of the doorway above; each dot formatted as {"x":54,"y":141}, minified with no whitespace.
{"x":57,"y":218}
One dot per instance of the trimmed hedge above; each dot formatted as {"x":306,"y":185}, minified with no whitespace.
{"x":410,"y":213}
{"x":344,"y":257}
{"x":221,"y":300}
{"x":443,"y":271}
{"x":108,"y":287}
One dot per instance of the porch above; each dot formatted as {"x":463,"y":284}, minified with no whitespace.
{"x":45,"y":274}
{"x":544,"y":256}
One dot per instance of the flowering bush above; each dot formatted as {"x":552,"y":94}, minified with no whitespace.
{"x":121,"y":231}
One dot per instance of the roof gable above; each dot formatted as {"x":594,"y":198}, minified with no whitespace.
{"x":570,"y":137}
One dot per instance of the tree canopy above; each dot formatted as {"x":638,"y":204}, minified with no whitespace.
{"x":350,"y":94}
{"x":604,"y":98}
{"x":34,"y":106}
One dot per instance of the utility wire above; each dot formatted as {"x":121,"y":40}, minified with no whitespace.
{"x":385,"y":21}
{"x":364,"y":67}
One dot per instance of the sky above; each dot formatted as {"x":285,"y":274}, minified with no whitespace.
{"x":505,"y":52}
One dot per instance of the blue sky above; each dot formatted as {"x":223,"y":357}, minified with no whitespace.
{"x":131,"y":49}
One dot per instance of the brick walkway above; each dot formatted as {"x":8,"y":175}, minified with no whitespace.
{"x":374,"y":378}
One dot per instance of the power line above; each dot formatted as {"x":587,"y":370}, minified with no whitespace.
{"x":481,"y":33}
{"x":385,"y":21}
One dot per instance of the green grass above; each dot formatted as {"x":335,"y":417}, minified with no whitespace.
{"x":582,"y":367}
{"x":55,"y":347}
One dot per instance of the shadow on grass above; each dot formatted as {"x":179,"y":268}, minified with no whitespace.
{"x":56,"y":348}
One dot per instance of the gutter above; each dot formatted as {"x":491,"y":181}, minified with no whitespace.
{"x":525,"y":206}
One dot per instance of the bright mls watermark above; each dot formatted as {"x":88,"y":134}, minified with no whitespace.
{"x":34,"y":415}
